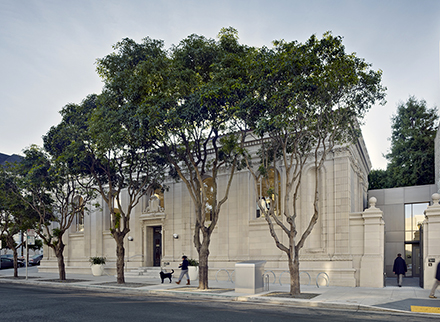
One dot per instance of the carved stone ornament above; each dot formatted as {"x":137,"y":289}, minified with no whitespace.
{"x":154,"y":205}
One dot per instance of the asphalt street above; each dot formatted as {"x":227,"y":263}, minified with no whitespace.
{"x":42,"y":303}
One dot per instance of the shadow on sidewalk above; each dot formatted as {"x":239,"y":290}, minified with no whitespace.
{"x":407,"y":281}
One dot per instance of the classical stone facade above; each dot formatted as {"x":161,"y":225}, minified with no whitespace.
{"x":162,"y":228}
{"x":431,"y":241}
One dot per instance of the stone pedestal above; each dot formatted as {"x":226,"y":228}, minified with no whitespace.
{"x":249,"y":277}
{"x":372,"y":261}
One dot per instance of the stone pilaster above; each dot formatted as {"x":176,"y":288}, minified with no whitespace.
{"x":372,"y":262}
{"x":431,"y":241}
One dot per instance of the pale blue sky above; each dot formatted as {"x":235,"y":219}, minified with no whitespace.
{"x":48,"y":49}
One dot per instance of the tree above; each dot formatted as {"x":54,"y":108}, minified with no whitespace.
{"x":102,"y":142}
{"x":188,"y":97}
{"x":201,"y":133}
{"x":15,"y":217}
{"x":308,"y":99}
{"x":379,"y":179}
{"x":59,"y":196}
{"x":411,"y":158}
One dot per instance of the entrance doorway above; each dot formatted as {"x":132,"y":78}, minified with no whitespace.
{"x":157,"y":245}
{"x":413,"y":259}
{"x":414,"y":216}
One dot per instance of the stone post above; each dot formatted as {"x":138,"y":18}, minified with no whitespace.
{"x":372,"y":262}
{"x":431,"y":241}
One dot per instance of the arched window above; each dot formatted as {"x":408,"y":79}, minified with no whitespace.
{"x":269,"y":188}
{"x":159,"y":194}
{"x":208,"y":183}
{"x":78,"y":202}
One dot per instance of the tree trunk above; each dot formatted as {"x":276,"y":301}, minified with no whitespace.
{"x":120,"y":255}
{"x":15,"y":263}
{"x":61,"y":265}
{"x":295,"y":287}
{"x":203,"y":263}
{"x":10,"y":243}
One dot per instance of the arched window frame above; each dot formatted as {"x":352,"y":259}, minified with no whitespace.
{"x":208,"y":182}
{"x":264,"y":185}
{"x":159,"y":193}
{"x":79,"y":216}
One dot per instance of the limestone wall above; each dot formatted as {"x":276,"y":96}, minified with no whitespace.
{"x":431,"y":241}
{"x":333,"y":248}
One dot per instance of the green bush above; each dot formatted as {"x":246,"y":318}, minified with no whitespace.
{"x":193,"y":262}
{"x":97,"y":260}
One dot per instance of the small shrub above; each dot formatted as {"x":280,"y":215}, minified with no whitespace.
{"x":97,"y":260}
{"x":192,"y":262}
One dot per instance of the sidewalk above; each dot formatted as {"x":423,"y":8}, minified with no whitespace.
{"x":390,"y":298}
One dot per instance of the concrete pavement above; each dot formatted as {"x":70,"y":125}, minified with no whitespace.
{"x":390,"y":298}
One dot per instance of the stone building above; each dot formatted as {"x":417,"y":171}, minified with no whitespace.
{"x":412,"y":225}
{"x":162,"y":227}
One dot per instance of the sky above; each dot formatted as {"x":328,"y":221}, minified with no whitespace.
{"x":48,"y":49}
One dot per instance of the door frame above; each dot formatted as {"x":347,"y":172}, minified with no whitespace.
{"x":157,"y":246}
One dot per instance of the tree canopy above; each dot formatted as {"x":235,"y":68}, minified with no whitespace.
{"x":190,"y":96}
{"x":189,"y":110}
{"x":59,"y":196}
{"x":103,"y":140}
{"x":411,"y":156}
{"x":308,"y":98}
{"x":15,"y":215}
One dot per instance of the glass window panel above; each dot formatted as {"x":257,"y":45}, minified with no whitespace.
{"x":417,"y":220}
{"x":209,"y":205}
{"x":408,"y":259}
{"x":408,"y":235}
{"x":270,"y":184}
{"x":419,"y":208}
{"x":408,"y":216}
{"x":414,"y":216}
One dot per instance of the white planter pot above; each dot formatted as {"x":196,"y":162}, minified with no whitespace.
{"x":193,"y":272}
{"x":97,"y":269}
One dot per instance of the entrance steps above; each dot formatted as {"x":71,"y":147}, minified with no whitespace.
{"x":144,"y":272}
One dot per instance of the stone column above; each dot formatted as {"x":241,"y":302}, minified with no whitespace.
{"x":431,"y":241}
{"x":372,"y":262}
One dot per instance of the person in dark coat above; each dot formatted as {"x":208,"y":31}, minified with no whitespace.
{"x":399,"y":269}
{"x":184,"y":267}
{"x":436,"y":282}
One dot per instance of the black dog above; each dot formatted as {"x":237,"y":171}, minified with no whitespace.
{"x":166,"y":275}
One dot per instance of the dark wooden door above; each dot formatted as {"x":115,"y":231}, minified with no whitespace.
{"x":157,"y":250}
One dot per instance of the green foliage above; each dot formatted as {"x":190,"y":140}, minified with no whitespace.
{"x":411,"y":158}
{"x":117,"y":220}
{"x":97,"y":260}
{"x":37,"y":246}
{"x":378,"y":179}
{"x":15,"y":214}
{"x":193,"y":262}
{"x":189,"y":110}
{"x":305,"y":100}
{"x":56,"y":232}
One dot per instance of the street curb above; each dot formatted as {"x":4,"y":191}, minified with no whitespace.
{"x":252,"y":298}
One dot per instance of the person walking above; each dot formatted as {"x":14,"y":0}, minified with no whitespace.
{"x":399,"y":269}
{"x":184,"y":267}
{"x":436,"y":283}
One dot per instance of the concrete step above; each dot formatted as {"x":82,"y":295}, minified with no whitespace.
{"x":145,"y":272}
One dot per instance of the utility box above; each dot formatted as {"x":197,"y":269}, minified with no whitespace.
{"x":249,"y":277}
